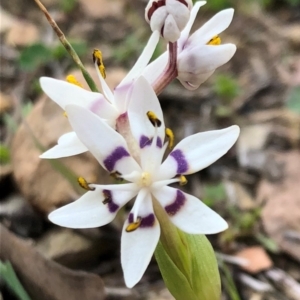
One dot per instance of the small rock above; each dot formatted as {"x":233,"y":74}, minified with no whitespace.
{"x":239,"y":196}
{"x":257,"y":257}
{"x":20,"y":217}
{"x":7,"y":20}
{"x":292,"y":33}
{"x":250,"y":144}
{"x":6,"y":103}
{"x":22,"y":34}
{"x":281,"y":213}
{"x":70,"y":248}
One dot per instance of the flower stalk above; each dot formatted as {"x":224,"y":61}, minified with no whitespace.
{"x":68,"y":47}
{"x":169,"y":73}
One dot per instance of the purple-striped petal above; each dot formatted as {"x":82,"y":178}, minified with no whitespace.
{"x":197,"y":152}
{"x":108,"y":146}
{"x":95,"y":208}
{"x":143,"y":100}
{"x":137,"y":246}
{"x":188,"y":213}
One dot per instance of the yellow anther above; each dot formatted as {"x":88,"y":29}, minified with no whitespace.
{"x":171,"y":137}
{"x":182,"y":180}
{"x":84,"y":184}
{"x":97,"y":58}
{"x":72,"y":79}
{"x":214,"y":41}
{"x":153,"y":118}
{"x":65,"y":114}
{"x":133,"y":226}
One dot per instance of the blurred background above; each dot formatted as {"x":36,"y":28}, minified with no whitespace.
{"x":255,"y":186}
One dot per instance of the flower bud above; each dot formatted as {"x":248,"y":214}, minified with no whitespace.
{"x":169,"y":17}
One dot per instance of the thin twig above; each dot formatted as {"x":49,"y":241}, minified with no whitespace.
{"x":68,"y":47}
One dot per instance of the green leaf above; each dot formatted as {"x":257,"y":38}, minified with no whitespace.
{"x":293,"y":101}
{"x":228,"y":282}
{"x":204,"y":277}
{"x":187,"y":262}
{"x":267,"y":242}
{"x":9,"y":276}
{"x":68,"y":5}
{"x":226,"y":87}
{"x":173,"y":276}
{"x":214,"y":193}
{"x":4,"y":154}
{"x":33,"y":56}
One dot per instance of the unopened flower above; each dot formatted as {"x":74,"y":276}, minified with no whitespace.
{"x":169,"y":17}
{"x":108,"y":105}
{"x":148,"y":177}
{"x":200,"y":54}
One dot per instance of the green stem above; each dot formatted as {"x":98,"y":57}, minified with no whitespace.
{"x":68,"y":47}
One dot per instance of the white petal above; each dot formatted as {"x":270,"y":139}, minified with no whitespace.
{"x":89,"y":211}
{"x":217,"y":24}
{"x":137,"y":246}
{"x":142,"y":61}
{"x":64,"y":93}
{"x":155,"y":68}
{"x":179,"y":12}
{"x":105,"y":88}
{"x":203,"y":59}
{"x":158,"y":18}
{"x":191,"y":81}
{"x":143,"y":100}
{"x":188,"y":213}
{"x":185,"y":33}
{"x":198,"y":151}
{"x":108,"y":146}
{"x":170,"y":33}
{"x":67,"y":145}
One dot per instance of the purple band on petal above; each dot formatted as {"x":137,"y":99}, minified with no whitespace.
{"x":145,"y":141}
{"x":112,"y":206}
{"x":112,"y":159}
{"x":159,"y":142}
{"x":174,"y":207}
{"x":182,"y":165}
{"x":130,"y":218}
{"x":147,"y":221}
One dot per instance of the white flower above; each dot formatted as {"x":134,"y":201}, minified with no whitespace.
{"x":169,"y":17}
{"x":200,"y":54}
{"x":108,"y":106}
{"x":148,"y":178}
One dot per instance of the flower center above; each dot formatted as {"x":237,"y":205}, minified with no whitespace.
{"x":146,"y":179}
